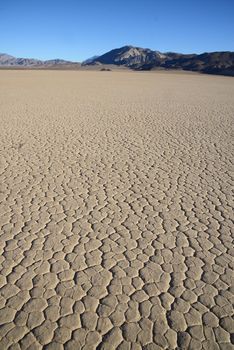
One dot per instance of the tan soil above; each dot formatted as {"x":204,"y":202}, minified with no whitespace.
{"x":116,"y":210}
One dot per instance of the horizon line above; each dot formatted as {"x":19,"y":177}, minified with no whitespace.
{"x":127,"y":45}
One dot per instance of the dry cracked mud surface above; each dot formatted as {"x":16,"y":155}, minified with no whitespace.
{"x":116,"y":211}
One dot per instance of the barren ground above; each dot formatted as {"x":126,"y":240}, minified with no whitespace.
{"x":116,"y":211}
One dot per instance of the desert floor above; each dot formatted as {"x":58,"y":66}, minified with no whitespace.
{"x":116,"y":210}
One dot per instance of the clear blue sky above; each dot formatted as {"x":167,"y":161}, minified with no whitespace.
{"x":76,"y":30}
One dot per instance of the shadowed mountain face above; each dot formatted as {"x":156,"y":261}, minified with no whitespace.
{"x":146,"y":59}
{"x":7,"y":60}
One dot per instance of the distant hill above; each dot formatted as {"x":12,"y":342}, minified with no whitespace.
{"x":145,"y":59}
{"x":7,"y":61}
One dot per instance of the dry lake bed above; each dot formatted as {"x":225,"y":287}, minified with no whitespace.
{"x":116,"y":210}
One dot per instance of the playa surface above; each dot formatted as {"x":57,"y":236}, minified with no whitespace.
{"x":116,"y":210}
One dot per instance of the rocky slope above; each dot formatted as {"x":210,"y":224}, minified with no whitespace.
{"x":129,"y":56}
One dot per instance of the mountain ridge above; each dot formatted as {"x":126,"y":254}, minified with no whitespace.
{"x":11,"y":61}
{"x":137,"y":58}
{"x":219,"y":62}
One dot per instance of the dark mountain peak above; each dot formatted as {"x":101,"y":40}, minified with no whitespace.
{"x":126,"y":47}
{"x":130,"y":56}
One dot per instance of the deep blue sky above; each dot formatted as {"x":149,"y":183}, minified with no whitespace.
{"x":76,"y":30}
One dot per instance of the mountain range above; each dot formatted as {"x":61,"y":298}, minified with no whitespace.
{"x":137,"y":58}
{"x":11,"y":61}
{"x":145,"y":59}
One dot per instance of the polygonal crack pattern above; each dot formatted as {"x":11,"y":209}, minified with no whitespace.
{"x":116,"y":211}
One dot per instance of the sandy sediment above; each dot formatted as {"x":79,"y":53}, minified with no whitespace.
{"x":116,"y":211}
